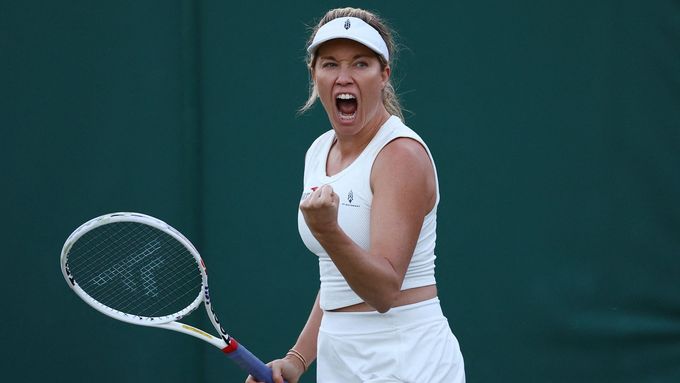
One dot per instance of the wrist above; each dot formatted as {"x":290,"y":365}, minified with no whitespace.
{"x":297,"y":358}
{"x":330,"y":235}
{"x":324,"y":229}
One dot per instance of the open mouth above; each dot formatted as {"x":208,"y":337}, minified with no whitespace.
{"x":347,"y":106}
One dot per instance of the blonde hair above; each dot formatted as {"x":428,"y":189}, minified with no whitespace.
{"x":390,"y":98}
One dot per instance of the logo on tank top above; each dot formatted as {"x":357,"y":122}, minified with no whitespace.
{"x":308,"y":193}
{"x":350,"y":198}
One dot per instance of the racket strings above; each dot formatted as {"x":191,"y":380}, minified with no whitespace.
{"x":150,"y":287}
{"x":127,"y":267}
{"x":185,"y":286}
{"x":159,"y":307}
{"x":136,"y":269}
{"x":157,"y":296}
{"x":107,"y":253}
{"x":100,"y":246}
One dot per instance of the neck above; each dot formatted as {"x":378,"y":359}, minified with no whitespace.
{"x":351,"y":145}
{"x":346,"y":149}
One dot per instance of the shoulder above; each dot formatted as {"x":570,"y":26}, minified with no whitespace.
{"x":397,"y":128}
{"x":404,"y":172}
{"x":404,"y":151}
{"x":407,"y":152}
{"x":404,"y":166}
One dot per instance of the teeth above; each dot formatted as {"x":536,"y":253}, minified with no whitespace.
{"x":344,"y":116}
{"x":346,"y":96}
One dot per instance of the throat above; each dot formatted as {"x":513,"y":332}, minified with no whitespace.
{"x":347,"y":107}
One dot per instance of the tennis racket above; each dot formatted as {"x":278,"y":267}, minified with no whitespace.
{"x":140,"y":270}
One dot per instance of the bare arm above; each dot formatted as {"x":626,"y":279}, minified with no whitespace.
{"x":290,"y":368}
{"x":403,"y":193}
{"x":306,"y":342}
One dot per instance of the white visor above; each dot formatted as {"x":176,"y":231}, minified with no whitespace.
{"x":350,"y":28}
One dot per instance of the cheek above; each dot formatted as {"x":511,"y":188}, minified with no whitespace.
{"x":323,"y":91}
{"x":323,"y":82}
{"x":325,"y":97}
{"x":321,"y":88}
{"x":375,"y":93}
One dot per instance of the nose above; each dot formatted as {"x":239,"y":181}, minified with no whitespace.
{"x":344,"y":76}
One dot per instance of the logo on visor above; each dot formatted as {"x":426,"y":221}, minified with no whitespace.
{"x":347,"y":24}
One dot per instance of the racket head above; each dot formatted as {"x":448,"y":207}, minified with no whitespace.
{"x":134,"y":268}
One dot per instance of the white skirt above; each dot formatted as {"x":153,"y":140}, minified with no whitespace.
{"x":411,"y":343}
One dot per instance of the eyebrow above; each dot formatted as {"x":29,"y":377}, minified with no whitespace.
{"x":330,"y":57}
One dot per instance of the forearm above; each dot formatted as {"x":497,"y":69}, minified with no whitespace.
{"x":376,"y":275}
{"x":306,"y":342}
{"x":371,"y":276}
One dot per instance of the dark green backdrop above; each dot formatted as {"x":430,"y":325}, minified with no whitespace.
{"x":555,"y":126}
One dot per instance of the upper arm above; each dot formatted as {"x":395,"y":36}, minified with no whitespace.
{"x":404,"y":192}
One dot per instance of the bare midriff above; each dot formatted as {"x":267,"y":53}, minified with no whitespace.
{"x":406,"y":297}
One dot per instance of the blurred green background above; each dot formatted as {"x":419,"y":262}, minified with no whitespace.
{"x":555,"y":126}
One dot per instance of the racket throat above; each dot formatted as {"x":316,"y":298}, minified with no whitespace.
{"x":195,"y":332}
{"x":232,"y":345}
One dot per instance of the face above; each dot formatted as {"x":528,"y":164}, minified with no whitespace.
{"x":350,"y":81}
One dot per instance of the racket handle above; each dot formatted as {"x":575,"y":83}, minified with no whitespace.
{"x":249,"y":362}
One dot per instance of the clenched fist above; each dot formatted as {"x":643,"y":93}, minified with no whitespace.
{"x":320,"y":209}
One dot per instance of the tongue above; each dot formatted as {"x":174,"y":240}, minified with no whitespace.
{"x":347,"y":106}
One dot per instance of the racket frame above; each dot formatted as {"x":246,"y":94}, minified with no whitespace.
{"x":168,"y":322}
{"x":235,"y":351}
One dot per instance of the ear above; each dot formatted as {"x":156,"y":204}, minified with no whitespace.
{"x":386,"y":75}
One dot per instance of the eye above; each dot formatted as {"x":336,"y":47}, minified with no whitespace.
{"x":361,"y":64}
{"x":328,"y":64}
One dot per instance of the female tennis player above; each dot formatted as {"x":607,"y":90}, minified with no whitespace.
{"x":368,"y":211}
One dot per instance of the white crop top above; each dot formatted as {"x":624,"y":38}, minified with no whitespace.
{"x":352,"y":185}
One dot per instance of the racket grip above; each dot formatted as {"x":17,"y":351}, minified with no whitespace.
{"x":249,"y":362}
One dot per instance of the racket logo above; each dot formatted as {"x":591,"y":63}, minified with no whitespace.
{"x":206,"y":294}
{"x":223,"y":333}
{"x":121,"y":271}
{"x":148,"y":277}
{"x":68,"y":274}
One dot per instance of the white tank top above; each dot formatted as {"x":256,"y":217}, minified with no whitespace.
{"x":352,"y":185}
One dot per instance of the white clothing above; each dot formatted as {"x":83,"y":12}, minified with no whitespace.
{"x":352,"y":185}
{"x":408,"y":344}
